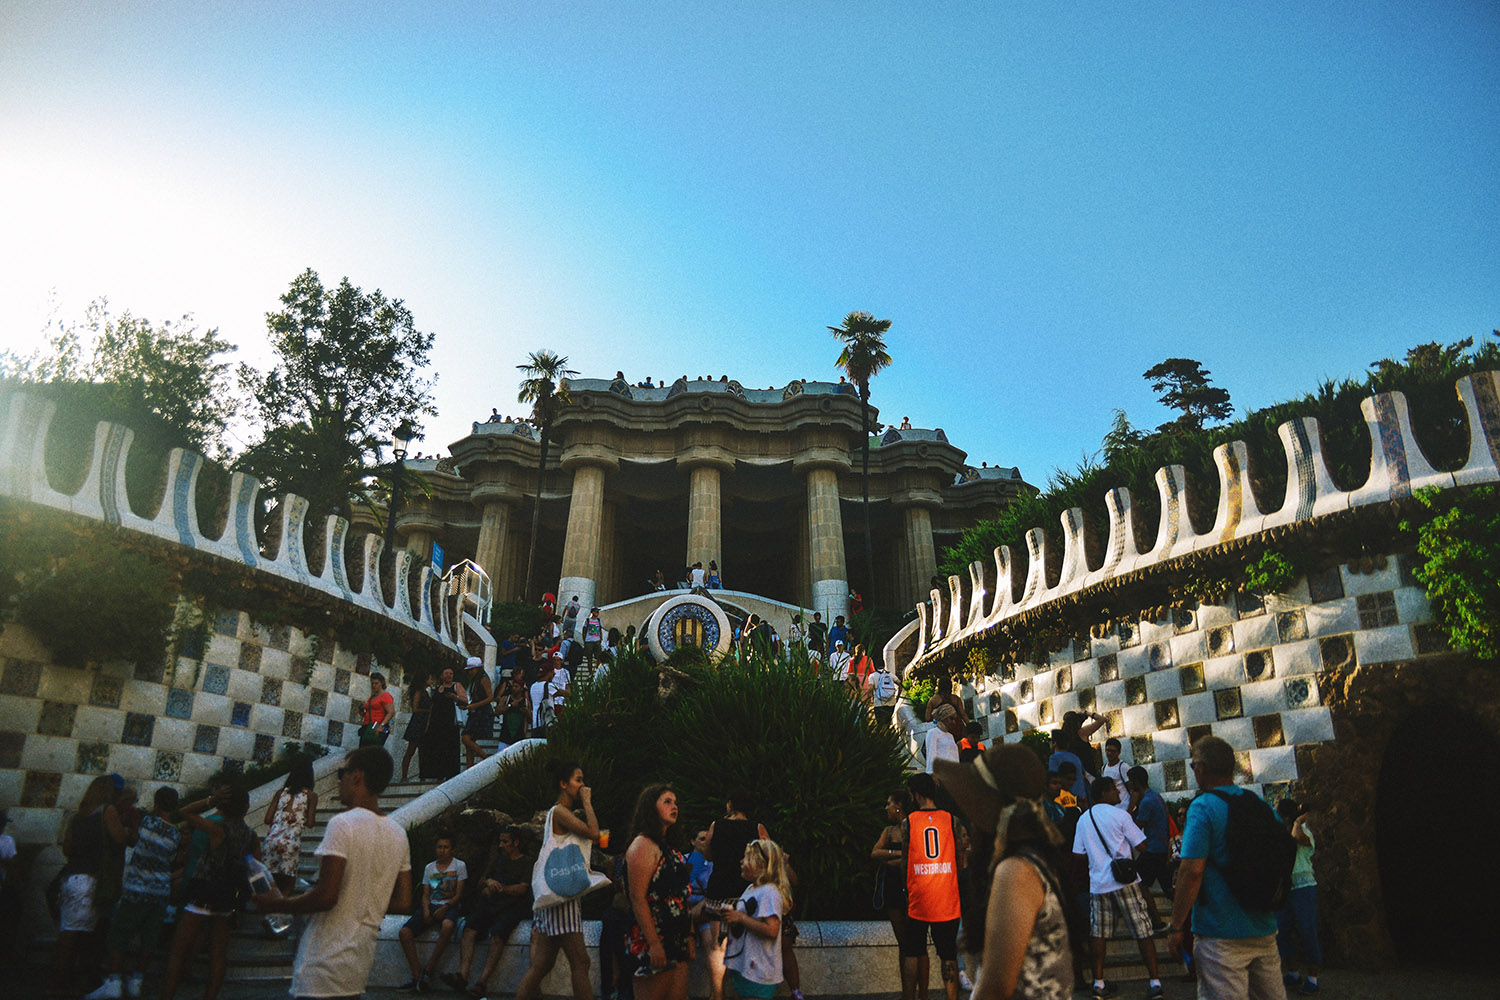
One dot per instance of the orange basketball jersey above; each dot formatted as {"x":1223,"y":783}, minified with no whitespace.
{"x":931,"y":867}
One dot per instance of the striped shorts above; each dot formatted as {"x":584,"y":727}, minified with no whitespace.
{"x":566,"y":918}
{"x":1129,"y":904}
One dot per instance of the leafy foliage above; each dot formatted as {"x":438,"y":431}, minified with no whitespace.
{"x":1183,"y":384}
{"x":863,"y":357}
{"x":166,"y":382}
{"x":1460,"y":539}
{"x":1129,"y":458}
{"x":349,"y":369}
{"x":522,"y":617}
{"x":815,"y":760}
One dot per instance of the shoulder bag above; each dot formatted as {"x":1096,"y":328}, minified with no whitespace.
{"x":1120,"y":869}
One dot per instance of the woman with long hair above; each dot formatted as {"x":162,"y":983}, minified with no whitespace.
{"x":440,"y":744}
{"x":890,"y":853}
{"x":658,"y":879}
{"x":560,"y":928}
{"x":292,"y":810}
{"x":1027,"y":955}
{"x":95,"y":832}
{"x":216,"y":891}
{"x":753,"y":953}
{"x":419,"y":699}
{"x":727,"y":837}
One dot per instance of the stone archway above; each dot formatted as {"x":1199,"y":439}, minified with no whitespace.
{"x":1436,"y":816}
{"x":1396,"y":713}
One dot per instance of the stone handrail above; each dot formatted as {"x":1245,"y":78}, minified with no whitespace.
{"x":25,"y":419}
{"x":975,"y":605}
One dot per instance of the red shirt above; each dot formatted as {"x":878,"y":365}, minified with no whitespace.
{"x":379,"y":708}
{"x":931,"y":866}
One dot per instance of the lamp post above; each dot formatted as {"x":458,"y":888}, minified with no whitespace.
{"x":401,"y":439}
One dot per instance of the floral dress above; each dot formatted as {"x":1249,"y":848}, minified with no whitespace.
{"x":666,"y":899}
{"x":283,"y":844}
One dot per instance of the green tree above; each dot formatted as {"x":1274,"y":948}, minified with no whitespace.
{"x":545,"y":388}
{"x":350,"y":366}
{"x":167,"y":381}
{"x":1183,"y":384}
{"x":863,"y":357}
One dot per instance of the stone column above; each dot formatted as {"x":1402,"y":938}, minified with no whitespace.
{"x":703,"y":538}
{"x":580,"y":561}
{"x":825,"y":537}
{"x":920,"y":552}
{"x":494,"y":529}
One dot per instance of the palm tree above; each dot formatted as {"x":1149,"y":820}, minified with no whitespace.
{"x":545,"y":388}
{"x":862,"y":359}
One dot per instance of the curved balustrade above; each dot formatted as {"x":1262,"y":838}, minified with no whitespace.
{"x":25,"y":420}
{"x":969,"y":607}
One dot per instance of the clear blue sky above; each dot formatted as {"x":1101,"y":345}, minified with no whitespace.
{"x":1045,"y":199}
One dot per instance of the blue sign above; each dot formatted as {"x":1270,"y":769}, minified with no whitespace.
{"x":437,"y":557}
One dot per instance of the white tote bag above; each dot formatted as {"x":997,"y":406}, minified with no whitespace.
{"x":562,"y":869}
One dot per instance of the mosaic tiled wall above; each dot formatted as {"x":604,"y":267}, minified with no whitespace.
{"x":253,"y":690}
{"x":1246,"y":671}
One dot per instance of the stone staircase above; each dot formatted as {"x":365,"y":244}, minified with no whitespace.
{"x":1122,"y":957}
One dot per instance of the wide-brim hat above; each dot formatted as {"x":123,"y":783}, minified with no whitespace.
{"x":987,"y":784}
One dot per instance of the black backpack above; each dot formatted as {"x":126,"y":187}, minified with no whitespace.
{"x":1261,"y":853}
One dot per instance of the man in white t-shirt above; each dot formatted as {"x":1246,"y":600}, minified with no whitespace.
{"x":544,"y":699}
{"x":1107,"y":832}
{"x":838,"y":661}
{"x":942,"y":738}
{"x":1116,"y":770}
{"x":364,"y":873}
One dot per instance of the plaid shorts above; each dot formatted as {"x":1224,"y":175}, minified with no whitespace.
{"x":1129,"y":903}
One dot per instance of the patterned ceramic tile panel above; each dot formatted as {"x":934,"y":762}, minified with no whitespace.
{"x":1086,"y":699}
{"x":1135,"y":690}
{"x":40,"y":790}
{"x":279,"y":637}
{"x":239,"y":714}
{"x":11,"y":747}
{"x":301,"y":670}
{"x":1248,"y":605}
{"x":1221,"y":640}
{"x":1166,"y":714}
{"x":215,"y":679}
{"x":1325,"y":585}
{"x":1063,"y":680}
{"x":56,"y":719}
{"x":227,"y":623}
{"x":1227,"y":703}
{"x":180,"y":703}
{"x":265,"y":748}
{"x":1336,"y":651}
{"x":138,"y":729}
{"x":335,"y":733}
{"x":1130,"y":635}
{"x":1081,"y":649}
{"x":1109,"y":668}
{"x":1376,"y":610}
{"x":1044,"y":711}
{"x":168,"y":765}
{"x":341,"y":681}
{"x":1142,"y":750}
{"x":21,"y":677}
{"x":1184,"y":620}
{"x":93,"y":758}
{"x":1260,"y":665}
{"x":1290,"y":626}
{"x":206,"y":740}
{"x":1268,"y":731}
{"x":1174,"y":775}
{"x":1191,"y":678}
{"x":291,"y":725}
{"x":1026,"y":690}
{"x":270,"y":691}
{"x":234,"y":765}
{"x":1159,"y":656}
{"x":250,"y":657}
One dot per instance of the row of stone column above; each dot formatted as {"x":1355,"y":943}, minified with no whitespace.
{"x":585,"y":562}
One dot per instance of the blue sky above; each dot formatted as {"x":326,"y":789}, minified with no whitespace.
{"x":1045,"y":199}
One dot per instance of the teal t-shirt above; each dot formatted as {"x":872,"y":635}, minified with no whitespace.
{"x":1217,"y":913}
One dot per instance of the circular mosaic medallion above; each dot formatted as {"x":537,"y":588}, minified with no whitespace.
{"x":688,"y":620}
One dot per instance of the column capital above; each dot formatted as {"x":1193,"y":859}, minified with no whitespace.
{"x":711,"y":455}
{"x":809,"y":459}
{"x":917,"y":497}
{"x":576,"y":456}
{"x":484,"y":494}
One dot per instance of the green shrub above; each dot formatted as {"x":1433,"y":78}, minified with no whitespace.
{"x":816,"y":761}
{"x":1460,"y":540}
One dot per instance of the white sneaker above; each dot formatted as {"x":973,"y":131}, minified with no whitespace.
{"x":133,"y":984}
{"x":108,"y":990}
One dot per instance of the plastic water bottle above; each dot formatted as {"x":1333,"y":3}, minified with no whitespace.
{"x":261,"y":884}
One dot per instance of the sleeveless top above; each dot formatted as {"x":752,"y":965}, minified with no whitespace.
{"x":283,"y":844}
{"x":666,"y":900}
{"x":730,"y":838}
{"x":1047,"y":967}
{"x":931,"y":867}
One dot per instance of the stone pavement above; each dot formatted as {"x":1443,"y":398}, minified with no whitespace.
{"x":1406,"y":983}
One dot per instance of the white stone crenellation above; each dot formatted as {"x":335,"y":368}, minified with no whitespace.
{"x":971,"y":607}
{"x":439,"y":609}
